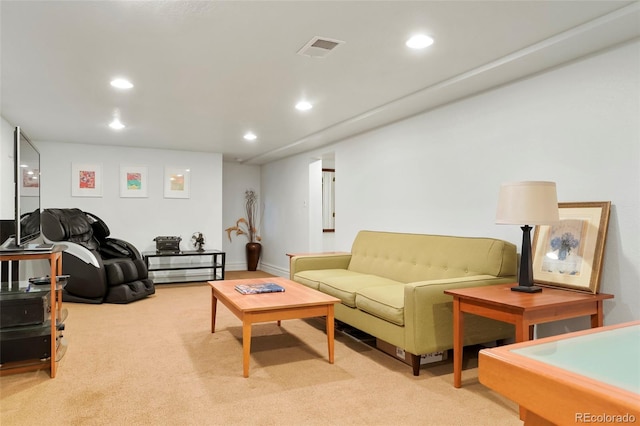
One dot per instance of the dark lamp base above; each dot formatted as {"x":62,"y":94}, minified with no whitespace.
{"x":527,"y":288}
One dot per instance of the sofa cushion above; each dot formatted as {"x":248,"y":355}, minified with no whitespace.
{"x":345,"y":287}
{"x":312,"y":278}
{"x":416,"y":257}
{"x":386,"y":302}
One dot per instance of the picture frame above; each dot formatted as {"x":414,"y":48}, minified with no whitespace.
{"x":177,"y":182}
{"x":569,"y":253}
{"x":86,"y":180}
{"x":29,"y":182}
{"x":134,"y":182}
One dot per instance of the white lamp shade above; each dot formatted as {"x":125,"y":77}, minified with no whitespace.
{"x":527,"y":203}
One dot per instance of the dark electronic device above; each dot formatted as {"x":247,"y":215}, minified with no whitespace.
{"x":23,"y":309}
{"x":26,"y":168}
{"x":47,"y":280}
{"x":168,"y":244}
{"x":25,"y":344}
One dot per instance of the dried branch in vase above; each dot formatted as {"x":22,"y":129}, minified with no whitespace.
{"x":247,"y":226}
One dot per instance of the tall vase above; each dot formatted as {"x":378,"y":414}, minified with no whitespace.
{"x":253,"y":255}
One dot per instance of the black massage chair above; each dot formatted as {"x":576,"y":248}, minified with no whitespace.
{"x":101,"y":269}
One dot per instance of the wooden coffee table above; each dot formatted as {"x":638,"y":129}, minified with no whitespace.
{"x":297,"y":301}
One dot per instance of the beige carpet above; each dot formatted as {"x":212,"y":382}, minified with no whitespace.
{"x":155,"y":362}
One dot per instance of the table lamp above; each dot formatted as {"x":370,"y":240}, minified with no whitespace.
{"x":527,"y":203}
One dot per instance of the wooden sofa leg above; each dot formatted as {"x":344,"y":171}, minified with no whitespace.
{"x":415,"y":364}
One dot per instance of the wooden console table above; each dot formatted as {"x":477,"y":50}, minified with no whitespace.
{"x":523,"y":310}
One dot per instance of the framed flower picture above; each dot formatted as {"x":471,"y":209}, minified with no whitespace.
{"x":133,"y":182}
{"x":86,"y":180}
{"x":569,"y":253}
{"x":176,"y":182}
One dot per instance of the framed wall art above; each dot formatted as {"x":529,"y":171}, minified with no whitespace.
{"x":86,"y":180}
{"x":30,"y":182}
{"x":176,"y":182}
{"x":569,"y":253}
{"x":133,"y":182}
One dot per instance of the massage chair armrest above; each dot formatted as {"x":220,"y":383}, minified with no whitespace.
{"x":117,"y":248}
{"x":79,"y":251}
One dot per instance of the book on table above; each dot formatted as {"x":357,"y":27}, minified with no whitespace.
{"x":259,"y":288}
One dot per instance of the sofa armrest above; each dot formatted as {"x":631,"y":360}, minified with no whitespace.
{"x":428,"y":311}
{"x":307,"y":262}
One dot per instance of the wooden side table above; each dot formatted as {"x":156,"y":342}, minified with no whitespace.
{"x":523,"y":310}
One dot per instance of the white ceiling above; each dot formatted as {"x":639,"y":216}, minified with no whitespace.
{"x":206,"y":72}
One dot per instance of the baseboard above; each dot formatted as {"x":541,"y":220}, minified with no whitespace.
{"x":237,"y":266}
{"x":270,"y":269}
{"x":274,"y":270}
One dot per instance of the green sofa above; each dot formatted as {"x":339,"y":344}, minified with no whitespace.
{"x":391,"y":286}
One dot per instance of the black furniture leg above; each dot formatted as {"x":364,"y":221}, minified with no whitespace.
{"x":415,"y":364}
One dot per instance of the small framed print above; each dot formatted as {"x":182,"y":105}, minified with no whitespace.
{"x":30,"y":182}
{"x":133,"y":182}
{"x":176,"y":182}
{"x":569,"y":253}
{"x":86,"y":180}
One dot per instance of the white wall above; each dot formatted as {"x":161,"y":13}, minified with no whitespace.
{"x":314,"y":208}
{"x":6,"y":170}
{"x":439,"y":172}
{"x":237,"y":178}
{"x":139,"y":220}
{"x":285,"y":192}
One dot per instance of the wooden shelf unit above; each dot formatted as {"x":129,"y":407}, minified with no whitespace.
{"x":55,"y":258}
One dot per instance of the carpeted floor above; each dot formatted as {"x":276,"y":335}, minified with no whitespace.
{"x":156,"y":362}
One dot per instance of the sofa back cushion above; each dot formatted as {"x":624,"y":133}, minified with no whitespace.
{"x":419,"y":257}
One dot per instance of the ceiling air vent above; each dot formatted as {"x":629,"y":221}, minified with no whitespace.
{"x":319,"y":47}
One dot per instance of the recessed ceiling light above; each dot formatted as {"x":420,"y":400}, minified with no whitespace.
{"x":419,"y":41}
{"x":303,"y":106}
{"x":250,"y":136}
{"x":116,"y":124}
{"x":121,"y":83}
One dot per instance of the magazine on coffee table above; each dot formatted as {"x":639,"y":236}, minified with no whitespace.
{"x":259,"y":288}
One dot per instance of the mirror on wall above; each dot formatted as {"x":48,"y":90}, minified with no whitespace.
{"x":328,"y":200}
